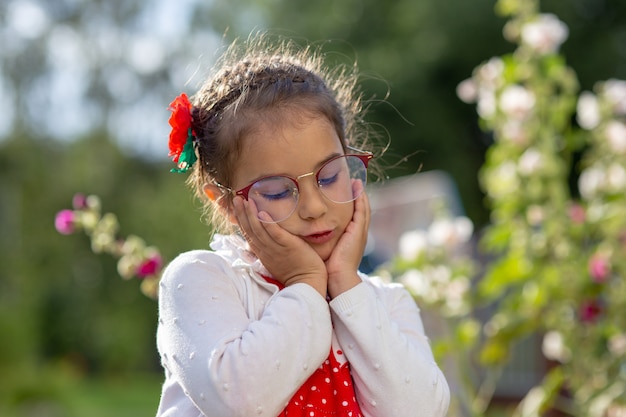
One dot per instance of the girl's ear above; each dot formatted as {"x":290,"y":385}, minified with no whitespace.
{"x":217,"y":197}
{"x":212,"y":191}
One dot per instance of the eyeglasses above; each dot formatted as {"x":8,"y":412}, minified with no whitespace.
{"x":341,"y":179}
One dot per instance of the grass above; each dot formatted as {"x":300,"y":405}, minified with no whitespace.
{"x":134,"y":395}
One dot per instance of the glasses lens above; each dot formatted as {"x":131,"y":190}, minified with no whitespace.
{"x":277,"y":196}
{"x":343,"y":179}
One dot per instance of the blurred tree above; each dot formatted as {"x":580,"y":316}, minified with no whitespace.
{"x":419,"y":52}
{"x":413,"y":52}
{"x":70,"y":67}
{"x":61,"y":306}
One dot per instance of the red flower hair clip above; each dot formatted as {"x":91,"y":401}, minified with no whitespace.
{"x":181,"y":136}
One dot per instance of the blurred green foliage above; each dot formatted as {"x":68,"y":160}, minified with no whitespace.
{"x":63,"y":307}
{"x":554,"y":266}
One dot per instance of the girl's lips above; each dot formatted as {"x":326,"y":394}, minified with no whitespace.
{"x":319,"y":238}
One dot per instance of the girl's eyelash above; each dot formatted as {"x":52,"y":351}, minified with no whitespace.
{"x":277,"y":196}
{"x":327,"y":180}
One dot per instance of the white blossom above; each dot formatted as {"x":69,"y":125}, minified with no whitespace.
{"x":440,"y":274}
{"x":616,"y":410}
{"x":615,"y":178}
{"x":545,"y":34}
{"x":596,"y":211}
{"x":616,"y":136}
{"x":88,"y":219}
{"x":440,"y":232}
{"x":553,"y":347}
{"x":615,"y":93}
{"x":532,"y":401}
{"x":467,"y":90}
{"x":488,"y":78}
{"x":455,"y":296}
{"x":530,"y":162}
{"x":412,"y":244}
{"x":486,"y":106}
{"x":413,"y":280}
{"x":450,"y":232}
{"x":503,"y":179}
{"x":489,"y":74}
{"x":588,"y":110}
{"x":513,"y":130}
{"x":418,"y":285}
{"x":591,"y":180}
{"x":464,"y":228}
{"x":535,"y":214}
{"x":617,"y":344}
{"x":93,"y":202}
{"x":127,"y":266}
{"x":133,"y":244}
{"x":101,"y":241}
{"x":517,"y":102}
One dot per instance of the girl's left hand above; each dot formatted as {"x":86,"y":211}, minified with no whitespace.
{"x":344,"y":262}
{"x":287,"y":257}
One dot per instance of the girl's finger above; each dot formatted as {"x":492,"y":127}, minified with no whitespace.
{"x":362,"y":212}
{"x":243,"y":220}
{"x":264,"y":235}
{"x":367,"y":210}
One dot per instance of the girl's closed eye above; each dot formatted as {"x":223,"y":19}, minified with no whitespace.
{"x":333,"y":172}
{"x":273,"y":189}
{"x":277,"y":195}
{"x":327,"y":179}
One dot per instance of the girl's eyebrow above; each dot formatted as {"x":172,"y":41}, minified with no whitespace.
{"x":320,"y":164}
{"x":333,"y":155}
{"x":315,"y":169}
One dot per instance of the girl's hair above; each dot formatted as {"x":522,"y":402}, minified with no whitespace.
{"x":259,"y":80}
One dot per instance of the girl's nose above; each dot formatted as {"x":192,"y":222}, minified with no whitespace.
{"x":311,"y":204}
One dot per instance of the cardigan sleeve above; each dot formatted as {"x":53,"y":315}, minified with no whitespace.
{"x":381,"y":332}
{"x":222,"y":360}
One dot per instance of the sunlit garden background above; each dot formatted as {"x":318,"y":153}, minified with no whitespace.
{"x":513,"y":112}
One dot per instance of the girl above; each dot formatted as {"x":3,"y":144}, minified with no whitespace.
{"x":276,"y":320}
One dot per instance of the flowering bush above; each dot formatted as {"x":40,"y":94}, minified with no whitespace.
{"x":559,"y":264}
{"x":428,"y":272}
{"x":135,"y":259}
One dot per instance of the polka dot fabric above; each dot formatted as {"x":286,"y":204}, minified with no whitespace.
{"x":329,"y":391}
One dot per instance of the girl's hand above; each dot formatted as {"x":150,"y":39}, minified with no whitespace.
{"x":287,"y":257}
{"x":344,"y":262}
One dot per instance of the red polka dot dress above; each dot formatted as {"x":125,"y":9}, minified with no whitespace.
{"x":329,"y":391}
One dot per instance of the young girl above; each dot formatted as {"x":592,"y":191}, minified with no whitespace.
{"x":276,"y":320}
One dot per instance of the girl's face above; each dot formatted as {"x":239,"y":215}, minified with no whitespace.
{"x":293,"y":148}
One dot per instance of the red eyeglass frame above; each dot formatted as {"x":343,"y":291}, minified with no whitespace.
{"x":244,"y":192}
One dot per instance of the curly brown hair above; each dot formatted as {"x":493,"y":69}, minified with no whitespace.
{"x":257,"y":80}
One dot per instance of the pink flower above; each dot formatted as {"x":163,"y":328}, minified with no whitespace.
{"x":79,"y":202}
{"x":577,"y":213}
{"x":599,"y":268}
{"x":589,"y":311}
{"x":64,"y":222}
{"x":150,"y":266}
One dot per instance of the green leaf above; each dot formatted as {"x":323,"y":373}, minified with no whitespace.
{"x":504,"y":273}
{"x":494,"y":353}
{"x":467,"y":333}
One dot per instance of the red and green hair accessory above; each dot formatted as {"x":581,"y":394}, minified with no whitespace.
{"x":182,"y":136}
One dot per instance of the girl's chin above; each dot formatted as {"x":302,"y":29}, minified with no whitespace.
{"x":324,"y":251}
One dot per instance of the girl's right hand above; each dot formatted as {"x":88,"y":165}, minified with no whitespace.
{"x":287,"y":257}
